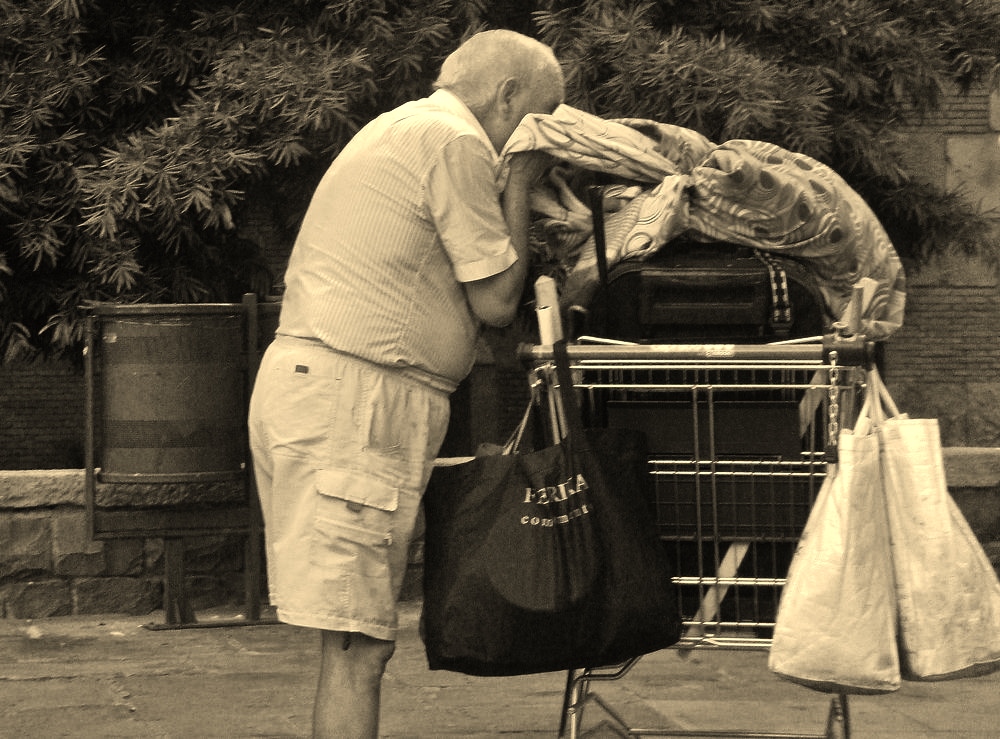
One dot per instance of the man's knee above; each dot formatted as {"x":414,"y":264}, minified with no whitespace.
{"x":358,"y":649}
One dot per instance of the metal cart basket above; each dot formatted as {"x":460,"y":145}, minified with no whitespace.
{"x":740,"y":436}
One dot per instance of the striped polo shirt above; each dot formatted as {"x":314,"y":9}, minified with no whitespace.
{"x":407,"y":212}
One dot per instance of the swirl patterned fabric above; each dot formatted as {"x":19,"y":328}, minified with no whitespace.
{"x":745,"y":192}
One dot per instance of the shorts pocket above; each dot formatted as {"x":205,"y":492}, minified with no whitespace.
{"x":352,"y":543}
{"x":294,"y":412}
{"x":357,"y":490}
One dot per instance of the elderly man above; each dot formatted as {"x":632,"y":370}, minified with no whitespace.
{"x":407,"y":247}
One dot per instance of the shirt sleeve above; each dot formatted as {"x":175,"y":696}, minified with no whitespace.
{"x":465,"y":206}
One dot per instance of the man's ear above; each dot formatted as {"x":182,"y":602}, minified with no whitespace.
{"x":506,"y":92}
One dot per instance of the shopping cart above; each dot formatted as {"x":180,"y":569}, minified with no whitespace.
{"x":740,"y":437}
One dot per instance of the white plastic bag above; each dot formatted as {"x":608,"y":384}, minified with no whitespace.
{"x":947,"y":590}
{"x":836,"y":624}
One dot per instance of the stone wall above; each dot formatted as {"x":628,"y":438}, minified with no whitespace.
{"x":943,"y":362}
{"x":49,"y":565}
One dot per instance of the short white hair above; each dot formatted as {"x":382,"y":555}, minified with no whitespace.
{"x":476,"y":68}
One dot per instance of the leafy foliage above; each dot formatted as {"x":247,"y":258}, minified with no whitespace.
{"x":132,"y":133}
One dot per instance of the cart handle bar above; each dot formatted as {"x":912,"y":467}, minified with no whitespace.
{"x":853,"y":350}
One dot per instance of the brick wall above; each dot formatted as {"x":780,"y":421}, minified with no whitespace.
{"x":943,"y":363}
{"x":41,"y":415}
{"x":959,"y":114}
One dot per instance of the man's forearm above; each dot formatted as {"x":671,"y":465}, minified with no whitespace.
{"x":516,"y":202}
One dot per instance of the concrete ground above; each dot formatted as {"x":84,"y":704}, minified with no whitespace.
{"x":91,"y":676}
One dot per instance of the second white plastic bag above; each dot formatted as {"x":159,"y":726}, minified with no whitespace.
{"x":836,"y":624}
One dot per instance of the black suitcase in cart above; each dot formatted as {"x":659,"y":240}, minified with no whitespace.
{"x":707,"y":293}
{"x":715,"y":294}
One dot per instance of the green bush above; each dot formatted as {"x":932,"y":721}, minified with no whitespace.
{"x":131,"y":133}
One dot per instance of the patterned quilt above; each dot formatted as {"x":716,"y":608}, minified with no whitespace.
{"x":671,"y":181}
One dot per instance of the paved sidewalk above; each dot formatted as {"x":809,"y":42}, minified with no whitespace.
{"x":91,"y":676}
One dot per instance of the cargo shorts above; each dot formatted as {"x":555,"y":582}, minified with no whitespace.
{"x":342,"y":451}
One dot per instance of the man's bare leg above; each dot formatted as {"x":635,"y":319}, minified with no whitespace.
{"x":350,"y":680}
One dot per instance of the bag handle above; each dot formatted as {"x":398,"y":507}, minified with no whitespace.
{"x":878,"y":405}
{"x":596,"y":197}
{"x":869,"y":417}
{"x":513,"y":443}
{"x":575,"y":436}
{"x":885,"y":398}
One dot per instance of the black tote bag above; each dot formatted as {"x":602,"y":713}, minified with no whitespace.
{"x":546,"y":560}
